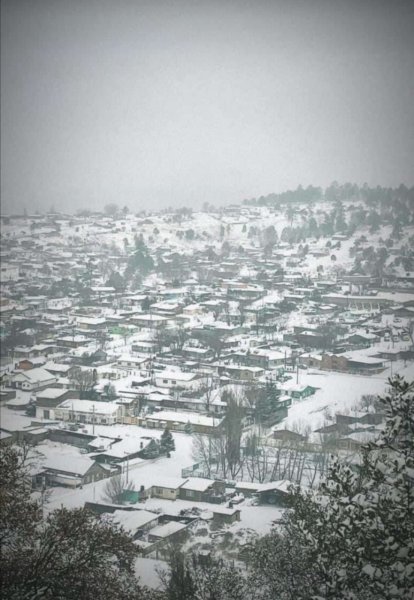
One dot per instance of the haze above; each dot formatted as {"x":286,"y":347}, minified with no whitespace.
{"x":152,"y":104}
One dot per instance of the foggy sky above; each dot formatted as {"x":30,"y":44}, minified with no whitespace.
{"x":180,"y":102}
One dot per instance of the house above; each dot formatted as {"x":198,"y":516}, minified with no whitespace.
{"x":26,"y":364}
{"x":199,"y":489}
{"x":48,"y":399}
{"x":150,"y":321}
{"x":144,"y":447}
{"x":171,"y":530}
{"x":79,"y":470}
{"x":297,"y":391}
{"x":178,"y":379}
{"x":91,"y":323}
{"x":354,"y":441}
{"x":179,"y":420}
{"x":247,"y":488}
{"x":135,"y":522}
{"x":364,"y":365}
{"x":59,"y":370}
{"x":286,"y":435}
{"x":73,"y":341}
{"x":33,"y":379}
{"x":275,"y":492}
{"x":362,"y":340}
{"x":225,"y":516}
{"x":240,"y":372}
{"x":266,"y":358}
{"x":167,"y":488}
{"x":89,"y":411}
{"x":133,"y":363}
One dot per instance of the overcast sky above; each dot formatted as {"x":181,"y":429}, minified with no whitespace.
{"x":180,"y":102}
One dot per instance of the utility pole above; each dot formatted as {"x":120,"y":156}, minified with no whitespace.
{"x":127,"y":468}
{"x":93,"y":419}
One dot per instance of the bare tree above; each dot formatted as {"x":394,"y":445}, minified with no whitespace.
{"x":229,"y":442}
{"x":256,"y":458}
{"x":204,"y":451}
{"x":114,"y":489}
{"x":83,"y":380}
{"x":208,"y":387}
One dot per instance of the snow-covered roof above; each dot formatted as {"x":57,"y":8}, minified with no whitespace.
{"x":90,"y":406}
{"x":198,"y":484}
{"x":177,"y":375}
{"x":51,"y":393}
{"x":185,"y":417}
{"x":133,"y":520}
{"x":163,"y":531}
{"x":69,"y":464}
{"x":36,"y":375}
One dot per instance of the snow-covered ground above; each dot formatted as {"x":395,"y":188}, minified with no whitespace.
{"x":336,"y":393}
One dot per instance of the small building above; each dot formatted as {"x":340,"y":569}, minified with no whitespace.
{"x":48,"y":399}
{"x":298,"y":391}
{"x":225,"y":516}
{"x":167,"y":488}
{"x":77,"y":471}
{"x":241,"y":372}
{"x":89,"y":411}
{"x":136,"y":522}
{"x":199,"y":489}
{"x":178,"y":379}
{"x":286,"y":435}
{"x":171,"y":530}
{"x":275,"y":492}
{"x":33,"y":379}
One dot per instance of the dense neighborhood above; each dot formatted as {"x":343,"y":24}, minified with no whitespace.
{"x":180,"y":370}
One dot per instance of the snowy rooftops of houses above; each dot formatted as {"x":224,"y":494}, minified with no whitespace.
{"x":133,"y":520}
{"x":362,"y":358}
{"x":127,"y":446}
{"x":51,"y":393}
{"x":57,"y":367}
{"x":198,"y":484}
{"x":167,"y":529}
{"x":90,"y":406}
{"x":177,"y":375}
{"x":185,"y":417}
{"x":37,"y":375}
{"x":73,"y":464}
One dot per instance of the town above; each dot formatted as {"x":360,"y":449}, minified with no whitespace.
{"x":180,"y":369}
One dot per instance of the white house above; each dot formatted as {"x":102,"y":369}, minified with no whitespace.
{"x":90,"y":411}
{"x":178,"y":379}
{"x":33,"y":379}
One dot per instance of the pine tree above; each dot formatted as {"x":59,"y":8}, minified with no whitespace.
{"x":167,"y":441}
{"x":66,"y":554}
{"x":356,"y":539}
{"x":188,"y":428}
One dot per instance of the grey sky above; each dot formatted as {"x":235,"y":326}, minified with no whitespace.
{"x":180,"y":102}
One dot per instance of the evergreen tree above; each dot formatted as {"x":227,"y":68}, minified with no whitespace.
{"x":66,"y":555}
{"x":167,"y":441}
{"x":356,"y":539}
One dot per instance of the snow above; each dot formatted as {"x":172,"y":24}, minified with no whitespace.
{"x":90,"y":406}
{"x":184,"y":417}
{"x":197,"y":484}
{"x":337,"y":392}
{"x":167,"y":529}
{"x":133,"y":520}
{"x":148,"y":569}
